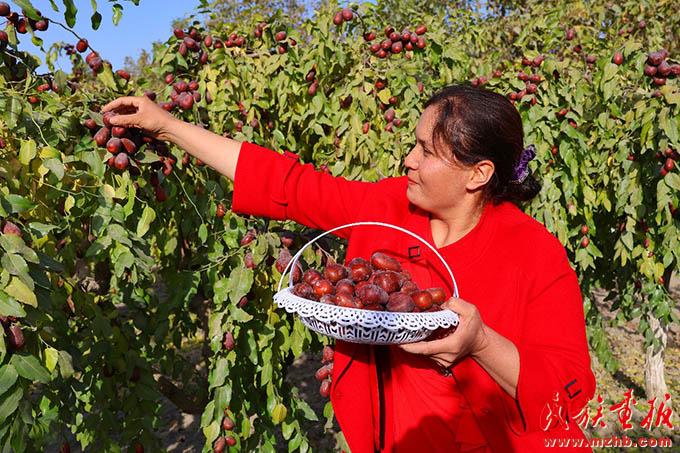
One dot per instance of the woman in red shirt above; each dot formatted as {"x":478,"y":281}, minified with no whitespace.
{"x":516,"y":371}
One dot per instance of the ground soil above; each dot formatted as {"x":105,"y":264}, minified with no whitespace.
{"x":181,"y":432}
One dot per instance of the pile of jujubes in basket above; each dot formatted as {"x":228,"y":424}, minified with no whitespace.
{"x":380,"y":285}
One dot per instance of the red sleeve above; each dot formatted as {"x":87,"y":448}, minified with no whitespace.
{"x":278,"y":186}
{"x":553,"y":349}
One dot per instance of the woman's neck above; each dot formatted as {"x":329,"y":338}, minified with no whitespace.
{"x":455,"y":223}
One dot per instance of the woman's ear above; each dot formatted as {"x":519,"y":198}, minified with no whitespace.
{"x":481,"y":174}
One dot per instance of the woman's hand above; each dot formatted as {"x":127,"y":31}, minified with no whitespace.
{"x":469,"y":338}
{"x":143,"y":113}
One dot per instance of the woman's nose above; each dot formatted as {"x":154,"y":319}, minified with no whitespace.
{"x":411,"y":161}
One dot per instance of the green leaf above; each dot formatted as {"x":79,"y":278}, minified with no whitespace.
{"x":245,"y":427}
{"x":9,"y":404}
{"x":295,"y":442}
{"x":148,"y":216}
{"x":307,"y":411}
{"x":9,"y":306}
{"x":48,"y":152}
{"x":384,"y":95}
{"x":60,"y":79}
{"x":106,"y":76}
{"x":610,"y":69}
{"x":14,"y":204}
{"x":8,"y":376}
{"x":287,"y":429}
{"x":14,"y":264}
{"x":129,"y":206}
{"x":13,"y":112}
{"x":51,"y":358}
{"x":148,"y":158}
{"x":117,"y":13}
{"x":65,"y":364}
{"x":589,"y":194}
{"x":55,"y":166}
{"x":47,"y":263}
{"x":29,"y":368}
{"x":342,"y":442}
{"x":220,"y":374}
{"x":208,"y":413}
{"x":668,"y":125}
{"x":328,"y":410}
{"x":670,"y":94}
{"x":27,"y":152}
{"x":12,"y":243}
{"x":96,"y":20}
{"x":70,"y":13}
{"x":21,"y":292}
{"x":28,"y":7}
{"x":279,"y":137}
{"x":40,"y":229}
{"x":211,"y":431}
{"x":221,"y":290}
{"x":240,"y":282}
{"x":202,"y":233}
{"x":222,"y":397}
{"x":608,"y":89}
{"x":672,"y":180}
{"x":238,"y":314}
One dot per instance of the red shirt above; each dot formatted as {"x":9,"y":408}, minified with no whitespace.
{"x":509,"y":266}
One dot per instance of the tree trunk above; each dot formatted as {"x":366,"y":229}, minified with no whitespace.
{"x":655,"y":382}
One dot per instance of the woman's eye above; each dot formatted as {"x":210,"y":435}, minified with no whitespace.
{"x":426,"y":151}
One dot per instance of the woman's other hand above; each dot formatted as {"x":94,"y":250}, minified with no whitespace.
{"x":469,"y":338}
{"x":141,"y":112}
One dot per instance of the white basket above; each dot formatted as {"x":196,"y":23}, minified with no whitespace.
{"x":357,"y":325}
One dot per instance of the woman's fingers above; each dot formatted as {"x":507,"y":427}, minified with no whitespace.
{"x":127,"y":109}
{"x":419,"y":347}
{"x":458,"y":305}
{"x":139,"y":112}
{"x":426,"y":347}
{"x":133,"y":120}
{"x":127,"y":101}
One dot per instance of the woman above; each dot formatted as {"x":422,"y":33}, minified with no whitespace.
{"x":516,"y":371}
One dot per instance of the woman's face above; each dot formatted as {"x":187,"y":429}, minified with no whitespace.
{"x":434,"y":184}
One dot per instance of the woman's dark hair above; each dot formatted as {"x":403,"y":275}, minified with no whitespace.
{"x":476,"y":124}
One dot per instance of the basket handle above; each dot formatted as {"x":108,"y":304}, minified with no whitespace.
{"x":293,"y":262}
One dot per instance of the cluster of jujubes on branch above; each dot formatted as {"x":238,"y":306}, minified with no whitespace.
{"x":228,"y":425}
{"x":396,"y":42}
{"x":658,"y":68}
{"x":21,"y":22}
{"x":325,"y":373}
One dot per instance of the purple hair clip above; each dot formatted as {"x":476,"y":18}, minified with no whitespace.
{"x":522,"y":167}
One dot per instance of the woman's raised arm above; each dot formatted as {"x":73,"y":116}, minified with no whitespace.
{"x":218,"y":152}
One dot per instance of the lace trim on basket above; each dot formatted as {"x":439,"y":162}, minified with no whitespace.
{"x":364,"y":326}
